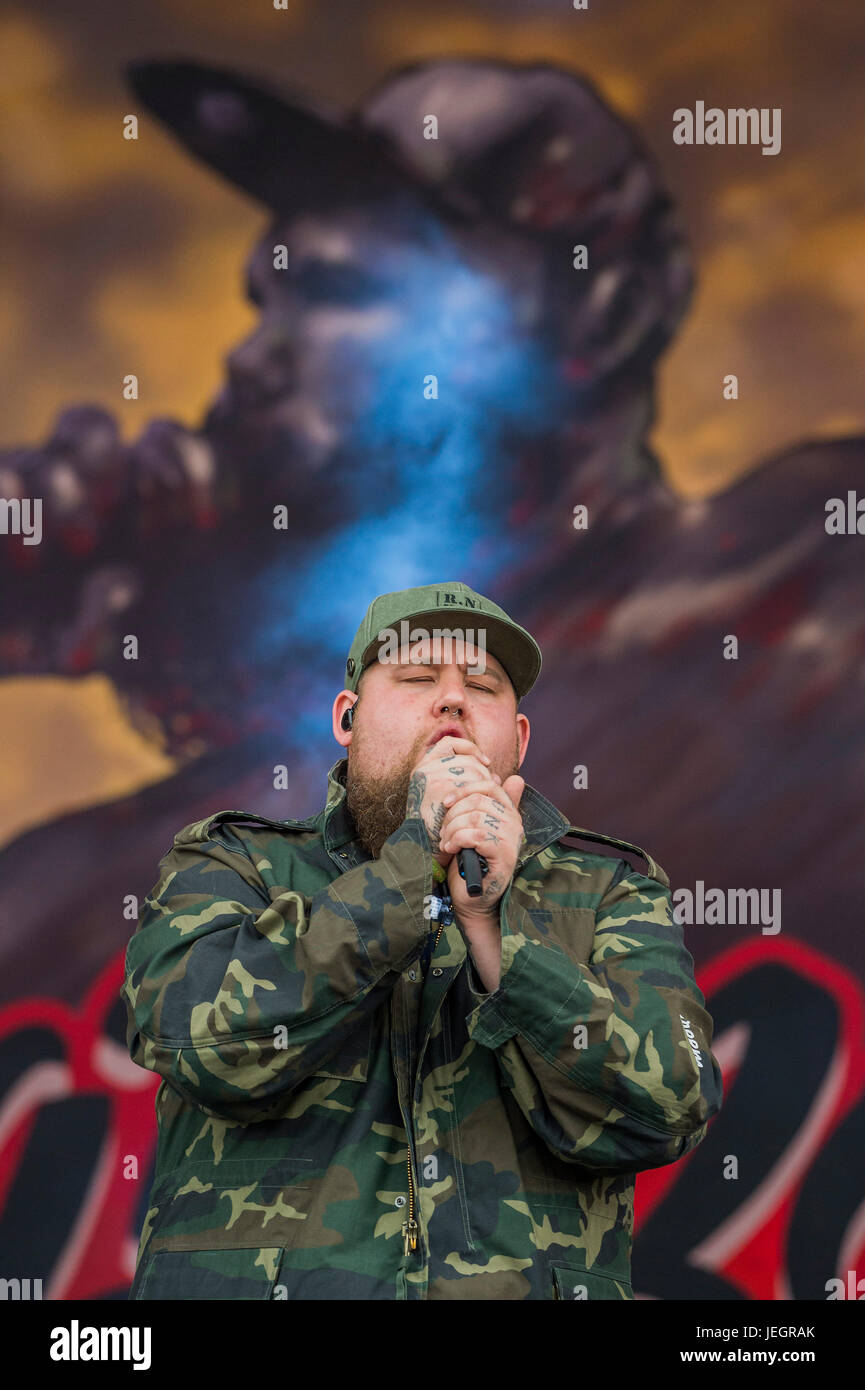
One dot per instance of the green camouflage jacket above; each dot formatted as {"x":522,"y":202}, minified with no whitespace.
{"x":334,"y":1124}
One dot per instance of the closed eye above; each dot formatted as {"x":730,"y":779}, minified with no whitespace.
{"x":327,"y":282}
{"x":485,"y":688}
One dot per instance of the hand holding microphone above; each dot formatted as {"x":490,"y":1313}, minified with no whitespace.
{"x":450,"y":765}
{"x":472,"y":867}
{"x":471,"y":817}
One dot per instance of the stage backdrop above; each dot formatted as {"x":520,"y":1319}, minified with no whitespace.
{"x":305,"y":303}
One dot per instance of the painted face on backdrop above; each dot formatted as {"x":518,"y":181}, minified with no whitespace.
{"x":384,"y":335}
{"x":403,"y":396}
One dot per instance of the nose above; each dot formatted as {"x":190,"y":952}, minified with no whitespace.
{"x":261,"y":367}
{"x":450,"y":697}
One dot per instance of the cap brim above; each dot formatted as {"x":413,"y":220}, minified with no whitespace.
{"x":517,"y":654}
{"x":284,"y":154}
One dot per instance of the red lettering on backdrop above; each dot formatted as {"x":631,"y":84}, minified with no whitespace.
{"x":98,"y":1247}
{"x":748,"y":1250}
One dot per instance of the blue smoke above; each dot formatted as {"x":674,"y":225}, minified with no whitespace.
{"x":429,"y":479}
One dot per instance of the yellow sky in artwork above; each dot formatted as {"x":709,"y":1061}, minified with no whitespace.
{"x":68,"y":744}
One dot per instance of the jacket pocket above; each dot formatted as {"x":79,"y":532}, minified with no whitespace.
{"x":579,"y":1284}
{"x":213,"y":1274}
{"x":197,"y":1177}
{"x":351,"y":1062}
{"x":219,"y":1229}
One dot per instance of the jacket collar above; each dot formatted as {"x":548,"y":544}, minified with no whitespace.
{"x":542,"y":821}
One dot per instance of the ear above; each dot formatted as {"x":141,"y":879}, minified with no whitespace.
{"x":524,"y":730}
{"x":344,"y":700}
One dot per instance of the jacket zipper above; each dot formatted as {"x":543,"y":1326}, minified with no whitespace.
{"x":409,"y":1227}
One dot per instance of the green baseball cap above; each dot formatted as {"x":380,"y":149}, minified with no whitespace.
{"x":450,"y":606}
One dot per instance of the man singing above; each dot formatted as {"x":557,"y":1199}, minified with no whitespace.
{"x":376,"y":1085}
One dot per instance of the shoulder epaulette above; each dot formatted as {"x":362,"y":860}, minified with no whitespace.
{"x":200,"y":830}
{"x":655,"y":870}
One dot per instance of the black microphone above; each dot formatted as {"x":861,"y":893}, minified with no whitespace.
{"x":472,"y":867}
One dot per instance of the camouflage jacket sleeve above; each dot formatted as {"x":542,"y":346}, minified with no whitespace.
{"x":235,"y":998}
{"x":610,"y":1060}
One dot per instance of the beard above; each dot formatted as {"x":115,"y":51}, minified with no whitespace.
{"x":377,"y":804}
